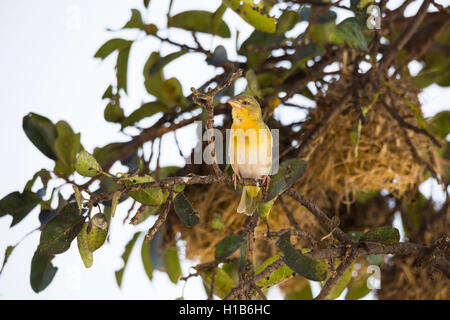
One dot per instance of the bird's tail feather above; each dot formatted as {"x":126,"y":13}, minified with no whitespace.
{"x":249,"y":200}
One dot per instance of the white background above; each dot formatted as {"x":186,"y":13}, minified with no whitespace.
{"x":47,"y":67}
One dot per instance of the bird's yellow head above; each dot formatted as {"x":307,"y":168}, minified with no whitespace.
{"x":245,"y":107}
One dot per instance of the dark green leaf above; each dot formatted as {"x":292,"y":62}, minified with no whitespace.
{"x":288,"y":173}
{"x":42,"y":271}
{"x":228,"y":245}
{"x":440,"y":124}
{"x":122,"y":67}
{"x":43,"y":174}
{"x":350,"y":32}
{"x":287,"y":21}
{"x":41,"y":132}
{"x":172,"y":264}
{"x":110,"y":46}
{"x":59,"y":232}
{"x":304,"y":265}
{"x":184,"y":210}
{"x":135,"y":20}
{"x":67,"y":146}
{"x":219,"y":57}
{"x":126,"y":254}
{"x":113,"y":113}
{"x":384,"y":235}
{"x":200,"y":21}
{"x":173,"y":92}
{"x":326,"y":17}
{"x":146,"y":259}
{"x":18,"y":205}
{"x":146,"y":3}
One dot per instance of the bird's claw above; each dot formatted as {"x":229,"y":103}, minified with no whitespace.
{"x":265,"y":182}
{"x":236,"y":178}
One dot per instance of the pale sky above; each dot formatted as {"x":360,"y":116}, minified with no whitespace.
{"x":47,"y":67}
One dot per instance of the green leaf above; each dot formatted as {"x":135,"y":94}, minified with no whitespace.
{"x":8,"y":252}
{"x":125,"y":256}
{"x":86,"y":165}
{"x":172,"y":91}
{"x":287,"y":21}
{"x":200,"y":21}
{"x":43,"y":174}
{"x":184,"y":210}
{"x":254,"y":14}
{"x":85,"y":254}
{"x":162,"y":62}
{"x":376,"y":259}
{"x":97,"y":232}
{"x":357,"y":288}
{"x":110,"y":46}
{"x":146,"y":110}
{"x":440,"y":124}
{"x":41,"y":132}
{"x":304,"y":293}
{"x":222,"y":285}
{"x":172,"y":264}
{"x":135,"y":21}
{"x":115,"y":201}
{"x":350,"y":32}
{"x":151,"y":196}
{"x":217,"y":223}
{"x":146,"y":3}
{"x":114,"y":113}
{"x":279,"y":275}
{"x":304,"y":265}
{"x":42,"y":271}
{"x":59,"y":232}
{"x":18,"y":205}
{"x":252,"y":84}
{"x":67,"y":145}
{"x":78,"y":197}
{"x":264,"y":208}
{"x":383,"y":235}
{"x":341,"y":284}
{"x":228,"y":245}
{"x":146,"y":259}
{"x":219,"y":57}
{"x":122,"y":67}
{"x":288,"y":173}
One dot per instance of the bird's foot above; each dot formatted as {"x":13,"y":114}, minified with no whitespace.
{"x":265,"y":182}
{"x":236,"y":178}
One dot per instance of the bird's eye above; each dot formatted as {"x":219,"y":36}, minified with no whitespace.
{"x":245,"y":102}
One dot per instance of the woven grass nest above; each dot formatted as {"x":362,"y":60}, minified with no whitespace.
{"x":333,"y":175}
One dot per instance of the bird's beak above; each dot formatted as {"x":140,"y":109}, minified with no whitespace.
{"x":234,"y":103}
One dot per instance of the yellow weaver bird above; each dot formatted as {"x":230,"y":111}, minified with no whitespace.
{"x":250,"y":149}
